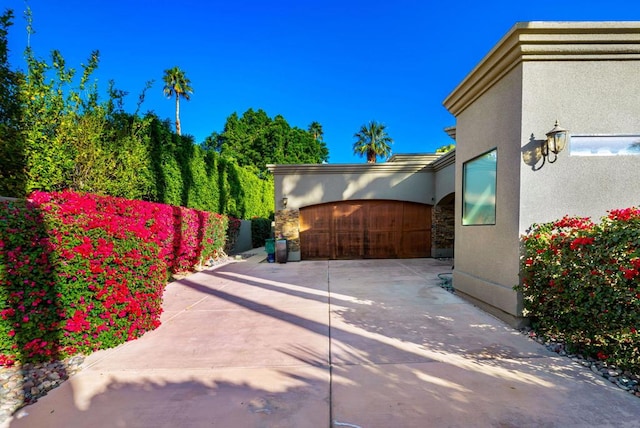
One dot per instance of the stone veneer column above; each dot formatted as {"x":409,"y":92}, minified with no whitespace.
{"x":288,"y":227}
{"x":443,"y":230}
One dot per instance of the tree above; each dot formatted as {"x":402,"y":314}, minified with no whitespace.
{"x":316,"y":130}
{"x":12,"y":176}
{"x":256,"y":139}
{"x":213,"y":142}
{"x":372,"y":141}
{"x":69,"y":138}
{"x":445,"y":149}
{"x":176,"y":83}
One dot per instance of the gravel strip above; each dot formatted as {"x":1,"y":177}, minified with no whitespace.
{"x":625,"y":380}
{"x":21,"y":385}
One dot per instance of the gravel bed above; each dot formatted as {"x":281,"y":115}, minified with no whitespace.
{"x":625,"y":380}
{"x":21,"y":385}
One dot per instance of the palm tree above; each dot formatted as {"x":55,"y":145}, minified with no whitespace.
{"x":176,"y":83}
{"x":373,"y":141}
{"x":316,"y":130}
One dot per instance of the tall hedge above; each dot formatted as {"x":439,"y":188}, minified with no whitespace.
{"x":58,"y":133}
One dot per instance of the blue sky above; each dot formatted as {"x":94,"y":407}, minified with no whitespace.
{"x":339,"y":62}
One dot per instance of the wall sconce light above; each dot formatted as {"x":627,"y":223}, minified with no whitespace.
{"x":285,"y":201}
{"x":556,"y":140}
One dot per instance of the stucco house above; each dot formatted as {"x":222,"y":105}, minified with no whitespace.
{"x":504,"y":174}
{"x":400,"y":208}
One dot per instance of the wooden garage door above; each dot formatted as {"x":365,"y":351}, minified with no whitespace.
{"x":365,"y":230}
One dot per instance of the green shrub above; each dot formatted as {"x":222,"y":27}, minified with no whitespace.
{"x":202,"y":194}
{"x":581,"y":284}
{"x":57,"y":132}
{"x":256,"y":197}
{"x":260,"y":231}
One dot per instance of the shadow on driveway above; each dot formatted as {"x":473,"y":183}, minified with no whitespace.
{"x":360,"y":344}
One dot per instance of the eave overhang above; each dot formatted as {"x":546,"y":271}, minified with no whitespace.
{"x":372,"y":168}
{"x":547,"y":41}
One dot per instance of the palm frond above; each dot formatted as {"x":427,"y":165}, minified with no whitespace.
{"x":372,"y":140}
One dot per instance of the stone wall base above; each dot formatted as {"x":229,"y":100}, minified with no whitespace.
{"x":288,"y":227}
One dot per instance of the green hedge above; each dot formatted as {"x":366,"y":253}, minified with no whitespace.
{"x":581,"y":284}
{"x":260,"y":231}
{"x":58,"y":132}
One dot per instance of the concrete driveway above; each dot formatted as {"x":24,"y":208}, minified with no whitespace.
{"x":373,"y":343}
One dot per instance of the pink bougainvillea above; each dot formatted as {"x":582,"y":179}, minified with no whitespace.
{"x":80,"y":272}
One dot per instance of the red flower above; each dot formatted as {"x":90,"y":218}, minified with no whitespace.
{"x":574,"y":223}
{"x":629,"y":273}
{"x":7,"y":313}
{"x":85,"y":248}
{"x":78,"y":322}
{"x":576,"y":243}
{"x":625,"y":214}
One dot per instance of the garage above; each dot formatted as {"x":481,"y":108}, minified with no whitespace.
{"x":365,"y":229}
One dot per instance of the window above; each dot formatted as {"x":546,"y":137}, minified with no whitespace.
{"x":479,"y":190}
{"x":605,"y":145}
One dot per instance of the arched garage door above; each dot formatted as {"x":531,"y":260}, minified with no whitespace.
{"x":375,"y":229}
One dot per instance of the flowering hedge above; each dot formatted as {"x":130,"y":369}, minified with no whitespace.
{"x":81,"y":272}
{"x":581,"y":284}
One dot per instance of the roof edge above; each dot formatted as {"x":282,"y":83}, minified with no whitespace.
{"x":547,"y":41}
{"x":349,"y":168}
{"x":445,"y":160}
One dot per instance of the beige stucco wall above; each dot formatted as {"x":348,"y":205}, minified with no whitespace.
{"x":588,"y":97}
{"x":445,"y":175}
{"x":409,"y":178}
{"x":583,"y":74}
{"x":486,"y":257}
{"x":306,"y":185}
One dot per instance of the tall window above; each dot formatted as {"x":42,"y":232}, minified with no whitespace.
{"x":479,"y":190}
